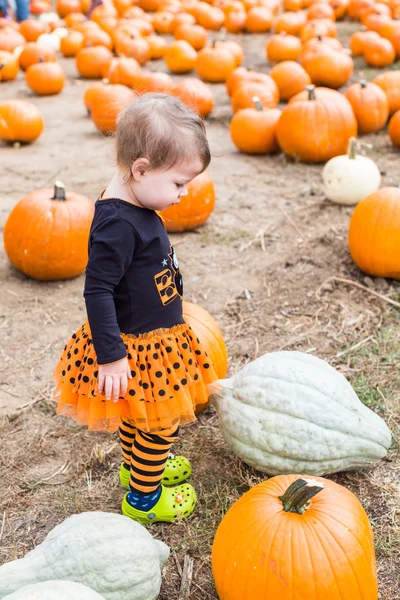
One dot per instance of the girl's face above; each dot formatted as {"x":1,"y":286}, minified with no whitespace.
{"x":158,"y":189}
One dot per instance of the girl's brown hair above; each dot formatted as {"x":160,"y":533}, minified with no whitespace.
{"x":162,"y":129}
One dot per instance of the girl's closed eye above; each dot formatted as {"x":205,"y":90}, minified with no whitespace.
{"x":179,"y":185}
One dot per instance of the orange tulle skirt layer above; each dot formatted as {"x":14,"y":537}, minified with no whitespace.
{"x":171,"y":375}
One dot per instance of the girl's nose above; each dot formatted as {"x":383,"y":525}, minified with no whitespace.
{"x":183,"y":192}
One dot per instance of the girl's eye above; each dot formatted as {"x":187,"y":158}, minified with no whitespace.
{"x":179,"y":185}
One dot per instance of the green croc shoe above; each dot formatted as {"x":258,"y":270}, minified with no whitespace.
{"x":174,"y":503}
{"x":177,"y":469}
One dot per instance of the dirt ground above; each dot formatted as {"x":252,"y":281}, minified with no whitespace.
{"x":269,"y":265}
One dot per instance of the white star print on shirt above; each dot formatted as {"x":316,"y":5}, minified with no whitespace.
{"x":165,"y":263}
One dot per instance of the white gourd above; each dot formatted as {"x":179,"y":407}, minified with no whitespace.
{"x":55,"y":590}
{"x":110,"y":553}
{"x":49,"y":40}
{"x":350,"y":178}
{"x":291,"y":412}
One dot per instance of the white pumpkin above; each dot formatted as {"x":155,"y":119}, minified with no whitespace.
{"x":291,"y":412}
{"x":350,"y":178}
{"x":110,"y":553}
{"x":49,"y":17}
{"x":55,"y":590}
{"x":49,"y":39}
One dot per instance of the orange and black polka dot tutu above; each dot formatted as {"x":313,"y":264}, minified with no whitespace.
{"x":171,"y":375}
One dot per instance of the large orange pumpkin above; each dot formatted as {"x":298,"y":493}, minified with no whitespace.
{"x":20,"y":121}
{"x":211,"y":338}
{"x":317,"y":128}
{"x":374,"y":234}
{"x":194,"y":209}
{"x":295,"y":538}
{"x":46,"y":233}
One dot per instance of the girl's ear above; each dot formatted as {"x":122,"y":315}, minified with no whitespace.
{"x":139,"y":169}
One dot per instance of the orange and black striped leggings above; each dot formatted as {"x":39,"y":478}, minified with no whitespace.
{"x":145,"y":454}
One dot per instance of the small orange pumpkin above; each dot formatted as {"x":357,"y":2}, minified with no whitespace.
{"x":20,"y":121}
{"x":374,"y":239}
{"x":9,"y":66}
{"x":290,"y":77}
{"x":243,"y":96}
{"x":133,"y":47}
{"x":91,"y":62}
{"x":33,"y":53}
{"x":394,"y":129}
{"x":195,"y":94}
{"x":194,"y":209}
{"x":282,"y":46}
{"x":152,"y":81}
{"x":259,"y":19}
{"x":162,"y":22}
{"x":290,"y":23}
{"x":10,"y":39}
{"x":253,"y":130}
{"x":379,"y":52}
{"x":97,"y":37}
{"x":106,"y":103}
{"x":180,"y":57}
{"x":122,"y":70}
{"x":31,"y":29}
{"x":389,"y":82}
{"x":64,"y":7}
{"x":90,"y":93}
{"x":157,"y":46}
{"x":233,"y":47}
{"x":370,"y":106}
{"x":45,"y":79}
{"x":215,"y":64}
{"x":71,"y":43}
{"x":321,"y":10}
{"x":327,"y":67}
{"x":235,"y":21}
{"x":195,"y":35}
{"x":46,"y":234}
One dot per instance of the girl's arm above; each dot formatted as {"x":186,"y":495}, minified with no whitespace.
{"x":113,"y":244}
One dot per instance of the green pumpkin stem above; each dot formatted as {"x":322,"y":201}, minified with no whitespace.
{"x":257,"y":102}
{"x":59,"y":191}
{"x":352,"y":148}
{"x":311,"y":92}
{"x":363,"y":83}
{"x":297,"y":497}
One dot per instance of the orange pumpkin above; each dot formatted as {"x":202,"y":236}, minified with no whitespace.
{"x":122,"y":70}
{"x":91,"y":62}
{"x":152,"y":81}
{"x":9,"y":66}
{"x":182,"y":19}
{"x":195,"y":35}
{"x":33,"y":53}
{"x":243,"y":74}
{"x":215,"y":64}
{"x":10,"y":39}
{"x":290,"y":77}
{"x":389,"y":82}
{"x":253,"y":130}
{"x":194,"y":209}
{"x":46,"y":234}
{"x":31,"y":29}
{"x":374,"y":234}
{"x":45,"y":79}
{"x":339,"y":8}
{"x":233,"y":47}
{"x":320,"y":10}
{"x":209,"y":17}
{"x":370,"y":106}
{"x":195,"y":94}
{"x":293,"y":536}
{"x":323,"y":27}
{"x":207,"y":330}
{"x":180,"y":57}
{"x":157,"y":46}
{"x":235,"y":21}
{"x":328,"y":67}
{"x":106,"y":103}
{"x":259,"y":19}
{"x":20,"y":121}
{"x":317,"y":128}
{"x":133,"y":47}
{"x":73,"y":19}
{"x":162,"y":22}
{"x":282,"y":46}
{"x":71,"y":43}
{"x":291,"y":23}
{"x":64,"y":7}
{"x":379,"y":52}
{"x":394,"y":129}
{"x":90,"y":93}
{"x":243,"y":96}
{"x":358,"y":39}
{"x":97,"y":37}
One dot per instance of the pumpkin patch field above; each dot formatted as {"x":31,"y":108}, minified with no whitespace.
{"x":290,"y":242}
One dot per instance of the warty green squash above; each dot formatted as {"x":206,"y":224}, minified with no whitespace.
{"x":291,"y":412}
{"x":113,"y":555}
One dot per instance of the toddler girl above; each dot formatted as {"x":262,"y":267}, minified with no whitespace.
{"x":135,"y":364}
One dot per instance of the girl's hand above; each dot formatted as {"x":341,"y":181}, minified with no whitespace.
{"x":113,"y":379}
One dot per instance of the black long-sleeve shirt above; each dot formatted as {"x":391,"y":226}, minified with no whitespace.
{"x":133,"y":283}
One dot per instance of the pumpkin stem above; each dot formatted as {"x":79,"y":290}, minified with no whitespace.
{"x":311,"y":92}
{"x":257,"y":102}
{"x":59,"y":191}
{"x":297,"y":497}
{"x":2,"y":65}
{"x":319,"y":38}
{"x":363,"y":83}
{"x":223,"y":37}
{"x":352,"y":148}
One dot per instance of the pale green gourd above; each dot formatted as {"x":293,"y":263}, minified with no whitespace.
{"x":291,"y":412}
{"x":113,"y":555}
{"x":55,"y":590}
